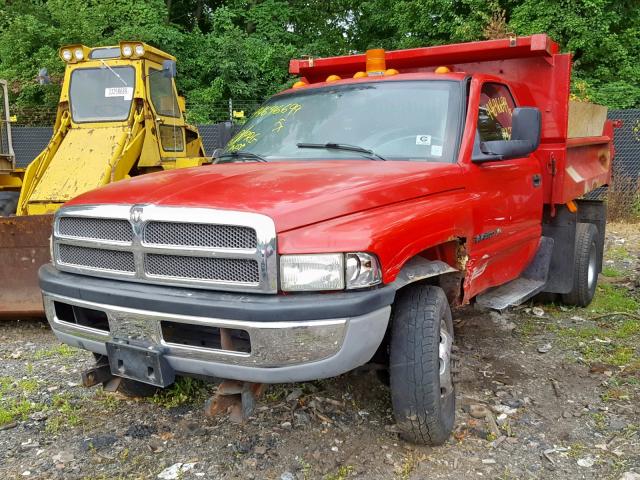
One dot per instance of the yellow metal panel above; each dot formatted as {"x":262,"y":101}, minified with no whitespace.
{"x":80,"y":164}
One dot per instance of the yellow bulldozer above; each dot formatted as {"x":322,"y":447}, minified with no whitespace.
{"x":119,"y":115}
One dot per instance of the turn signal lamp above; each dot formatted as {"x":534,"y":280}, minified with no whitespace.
{"x":333,"y":78}
{"x":375,"y":61}
{"x":443,"y":70}
{"x":391,"y":71}
{"x":299,"y":84}
{"x":571,"y":206}
{"x":359,"y":74}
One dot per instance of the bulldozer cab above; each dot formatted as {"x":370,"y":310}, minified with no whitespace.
{"x":119,"y":115}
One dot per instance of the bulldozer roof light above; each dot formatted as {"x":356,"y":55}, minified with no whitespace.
{"x":139,"y":50}
{"x":73,"y":53}
{"x":127,"y":51}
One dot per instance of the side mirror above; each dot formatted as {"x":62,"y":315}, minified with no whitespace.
{"x":526,"y":125}
{"x":169,"y":68}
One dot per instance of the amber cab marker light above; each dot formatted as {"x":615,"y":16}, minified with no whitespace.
{"x":333,"y":78}
{"x":376,"y":64}
{"x":299,"y":84}
{"x":572,"y":207}
{"x":359,"y":74}
{"x":443,"y":70}
{"x":391,"y":71}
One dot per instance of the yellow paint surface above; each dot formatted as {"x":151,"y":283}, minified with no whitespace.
{"x":80,"y":164}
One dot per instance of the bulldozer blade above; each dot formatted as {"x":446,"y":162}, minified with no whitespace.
{"x":24,"y":247}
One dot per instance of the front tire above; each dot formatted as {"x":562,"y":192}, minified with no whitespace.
{"x":422,"y":389}
{"x":585,"y":267}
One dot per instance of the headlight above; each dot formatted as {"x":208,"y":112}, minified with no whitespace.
{"x":139,"y":50}
{"x":67,"y":55}
{"x":312,"y":272}
{"x":328,"y":271}
{"x":79,"y":54}
{"x":127,"y":51}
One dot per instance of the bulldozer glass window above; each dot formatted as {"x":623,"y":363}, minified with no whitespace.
{"x":163,"y":96}
{"x":101,"y":94}
{"x":399,"y":120}
{"x":171,"y":138}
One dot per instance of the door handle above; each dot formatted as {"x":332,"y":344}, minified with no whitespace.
{"x":536,"y":180}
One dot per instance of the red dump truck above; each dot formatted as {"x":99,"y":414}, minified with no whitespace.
{"x":344,"y":222}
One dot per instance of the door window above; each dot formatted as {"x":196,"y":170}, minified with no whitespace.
{"x":494,"y":115}
{"x":163,"y":96}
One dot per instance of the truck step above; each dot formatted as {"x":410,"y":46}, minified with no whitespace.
{"x":530,"y":283}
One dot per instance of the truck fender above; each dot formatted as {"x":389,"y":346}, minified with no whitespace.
{"x":419,"y":268}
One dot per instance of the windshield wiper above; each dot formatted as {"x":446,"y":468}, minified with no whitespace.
{"x":114,"y":72}
{"x":241,"y":154}
{"x":342,"y":146}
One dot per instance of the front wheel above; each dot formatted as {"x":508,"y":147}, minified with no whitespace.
{"x":585,"y":267}
{"x":421,"y":377}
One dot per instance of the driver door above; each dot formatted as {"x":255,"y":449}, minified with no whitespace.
{"x":508,"y":202}
{"x":168,"y":116}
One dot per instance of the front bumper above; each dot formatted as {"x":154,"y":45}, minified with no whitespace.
{"x":303,"y":340}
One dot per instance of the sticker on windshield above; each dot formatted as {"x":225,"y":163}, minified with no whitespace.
{"x":125,"y":92}
{"x":436,"y":150}
{"x":423,"y":139}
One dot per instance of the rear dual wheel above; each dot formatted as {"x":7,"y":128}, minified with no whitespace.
{"x":421,"y":370}
{"x":585,"y":266}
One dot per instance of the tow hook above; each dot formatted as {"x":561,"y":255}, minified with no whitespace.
{"x":238,"y":399}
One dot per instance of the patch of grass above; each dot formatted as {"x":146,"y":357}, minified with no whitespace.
{"x":66,"y":414}
{"x":576,"y":450}
{"x":63,"y":350}
{"x":617,"y":253}
{"x":28,"y":385}
{"x":343,"y":472}
{"x":185,"y":391}
{"x":408,"y":465}
{"x":612,"y":272}
{"x":108,"y":401}
{"x":13,"y":409}
{"x":599,"y":420}
{"x":615,"y":394}
{"x":612,"y":298}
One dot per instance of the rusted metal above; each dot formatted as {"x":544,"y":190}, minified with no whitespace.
{"x":94,"y":376}
{"x":24,"y":247}
{"x":237,"y":399}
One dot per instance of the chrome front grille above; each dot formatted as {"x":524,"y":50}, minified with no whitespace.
{"x":199,"y":235}
{"x":96,"y":228}
{"x":220,"y":269}
{"x":198,"y":247}
{"x":97,"y":258}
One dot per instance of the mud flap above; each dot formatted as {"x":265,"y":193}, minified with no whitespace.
{"x":24,"y":247}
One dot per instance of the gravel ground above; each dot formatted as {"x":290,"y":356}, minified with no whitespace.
{"x":545,"y":392}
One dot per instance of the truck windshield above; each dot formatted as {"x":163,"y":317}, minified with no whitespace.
{"x":101,"y":94}
{"x":397,"y":120}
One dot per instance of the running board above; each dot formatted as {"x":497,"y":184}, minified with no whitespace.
{"x":530,"y":283}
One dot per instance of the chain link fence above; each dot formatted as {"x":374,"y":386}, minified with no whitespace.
{"x":623,"y":195}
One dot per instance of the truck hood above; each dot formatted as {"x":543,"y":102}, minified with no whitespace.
{"x":293,"y":194}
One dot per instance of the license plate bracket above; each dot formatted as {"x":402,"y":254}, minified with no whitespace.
{"x":143,"y":363}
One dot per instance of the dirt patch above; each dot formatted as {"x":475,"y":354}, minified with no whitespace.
{"x":570,"y":412}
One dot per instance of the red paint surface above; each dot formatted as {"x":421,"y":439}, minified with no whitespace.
{"x":399,"y":209}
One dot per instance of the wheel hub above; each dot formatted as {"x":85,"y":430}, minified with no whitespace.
{"x":445,"y":360}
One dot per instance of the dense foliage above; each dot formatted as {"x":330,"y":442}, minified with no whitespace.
{"x":240,"y":48}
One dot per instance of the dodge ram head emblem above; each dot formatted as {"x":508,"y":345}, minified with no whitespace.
{"x":136,"y":214}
